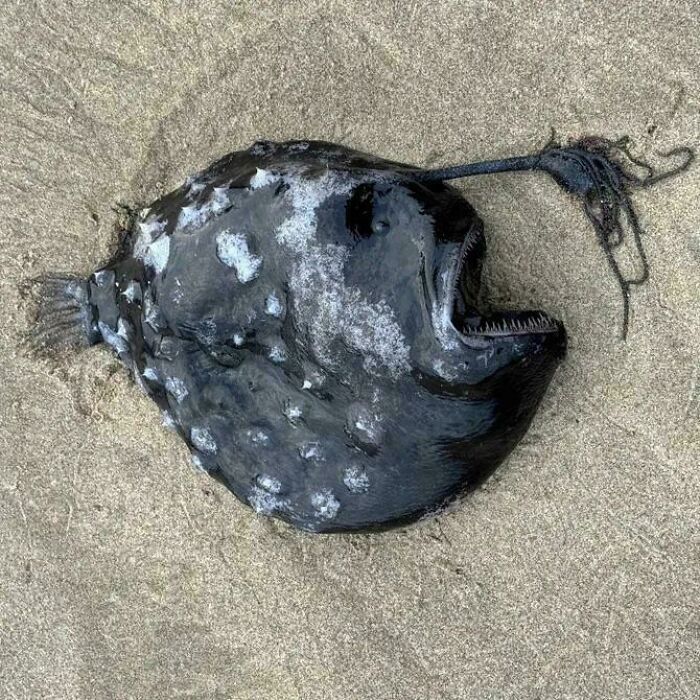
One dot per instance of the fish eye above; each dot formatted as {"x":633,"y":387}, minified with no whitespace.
{"x":380,"y":226}
{"x":224,"y":355}
{"x":359,"y":212}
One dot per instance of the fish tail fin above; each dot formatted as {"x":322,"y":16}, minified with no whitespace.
{"x":64,"y":317}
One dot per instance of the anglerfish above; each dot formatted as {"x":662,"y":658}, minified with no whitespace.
{"x":311,"y":321}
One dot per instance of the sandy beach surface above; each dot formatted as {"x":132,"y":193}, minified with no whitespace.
{"x":573,"y":573}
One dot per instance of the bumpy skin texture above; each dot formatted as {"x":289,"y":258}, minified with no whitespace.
{"x":306,"y":317}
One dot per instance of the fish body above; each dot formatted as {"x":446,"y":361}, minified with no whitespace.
{"x":308,"y":319}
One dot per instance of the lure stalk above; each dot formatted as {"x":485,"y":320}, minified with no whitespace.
{"x":591,"y":170}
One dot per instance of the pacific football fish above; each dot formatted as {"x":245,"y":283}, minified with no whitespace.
{"x":309,"y":320}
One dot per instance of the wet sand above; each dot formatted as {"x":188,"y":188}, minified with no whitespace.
{"x":573,"y":573}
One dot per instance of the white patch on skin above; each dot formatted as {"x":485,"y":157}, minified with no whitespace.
{"x":103,"y":277}
{"x":299,"y":147}
{"x":299,"y":231}
{"x":167,"y":420}
{"x":152,"y":228}
{"x":443,"y":371}
{"x":116,"y":342}
{"x":152,"y":245}
{"x":232,"y":249}
{"x":292,"y":413}
{"x":152,"y":313}
{"x":193,"y":216}
{"x":311,"y":451}
{"x":220,"y":200}
{"x":176,"y":388}
{"x":364,"y":424}
{"x":203,"y":440}
{"x":277,"y":353}
{"x":238,"y":339}
{"x":313,"y":377}
{"x":356,"y":479}
{"x":123,"y":329}
{"x":269,"y":483}
{"x":273,"y":306}
{"x":330,"y":309}
{"x":151,"y":374}
{"x":325,"y":504}
{"x":445,"y":332}
{"x":486,"y":356}
{"x":179,"y":293}
{"x":260,"y":149}
{"x":262,"y":178}
{"x":158,"y":254}
{"x":264,"y":502}
{"x":132,"y":292}
{"x":324,"y":303}
{"x":258,"y":437}
{"x":194,"y":185}
{"x":197,"y":463}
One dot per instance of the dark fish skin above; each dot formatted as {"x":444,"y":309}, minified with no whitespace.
{"x":307,"y":318}
{"x":296,"y":310}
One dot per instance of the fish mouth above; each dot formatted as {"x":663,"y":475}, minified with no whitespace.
{"x":461,"y":286}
